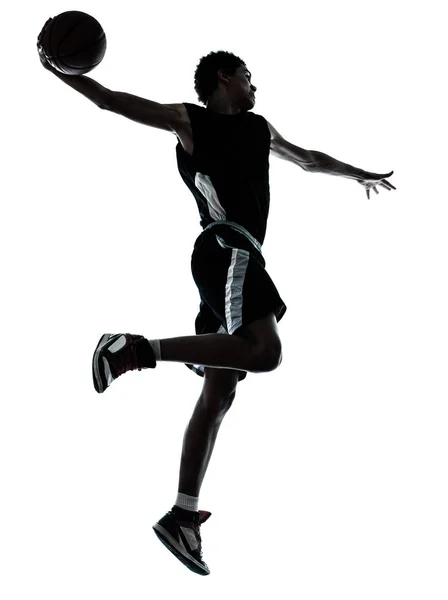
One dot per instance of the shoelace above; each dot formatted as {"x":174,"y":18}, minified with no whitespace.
{"x":126,"y":360}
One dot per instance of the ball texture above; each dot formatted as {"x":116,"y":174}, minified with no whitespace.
{"x":73,"y":42}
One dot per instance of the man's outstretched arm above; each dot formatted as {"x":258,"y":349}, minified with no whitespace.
{"x":161,"y":116}
{"x":318,"y":162}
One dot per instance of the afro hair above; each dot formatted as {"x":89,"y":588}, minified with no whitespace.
{"x":206,"y":74}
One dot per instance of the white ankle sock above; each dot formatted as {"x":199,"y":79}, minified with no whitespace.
{"x":155,"y":345}
{"x":187,"y":502}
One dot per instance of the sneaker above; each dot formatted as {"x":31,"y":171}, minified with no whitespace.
{"x":179,"y":531}
{"x":114,"y":355}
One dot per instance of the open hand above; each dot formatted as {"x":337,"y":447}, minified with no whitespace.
{"x":371,"y":180}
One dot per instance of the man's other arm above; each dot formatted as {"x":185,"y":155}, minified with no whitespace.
{"x":314,"y":161}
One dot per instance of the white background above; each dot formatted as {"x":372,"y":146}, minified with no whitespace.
{"x":328,"y":478}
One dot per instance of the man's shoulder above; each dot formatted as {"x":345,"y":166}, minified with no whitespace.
{"x":183,"y":111}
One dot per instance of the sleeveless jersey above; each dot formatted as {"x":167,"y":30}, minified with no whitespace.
{"x":228,"y":173}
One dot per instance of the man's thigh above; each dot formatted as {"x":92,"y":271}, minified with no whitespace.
{"x":262,"y":332}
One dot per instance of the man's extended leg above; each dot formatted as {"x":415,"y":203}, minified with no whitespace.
{"x":179,"y":529}
{"x":215,"y":400}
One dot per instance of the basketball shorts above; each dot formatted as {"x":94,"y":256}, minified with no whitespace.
{"x":234,"y":286}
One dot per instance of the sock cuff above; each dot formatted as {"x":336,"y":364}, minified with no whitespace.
{"x":187,"y":502}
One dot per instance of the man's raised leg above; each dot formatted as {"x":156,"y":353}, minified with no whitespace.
{"x":256,"y":349}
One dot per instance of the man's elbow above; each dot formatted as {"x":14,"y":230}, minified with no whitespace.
{"x":105,"y":101}
{"x":308,"y":162}
{"x":318,"y":162}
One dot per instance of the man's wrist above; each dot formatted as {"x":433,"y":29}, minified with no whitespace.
{"x":358,"y":174}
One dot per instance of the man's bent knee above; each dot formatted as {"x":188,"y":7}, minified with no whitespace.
{"x":269,"y":358}
{"x":267,"y":347}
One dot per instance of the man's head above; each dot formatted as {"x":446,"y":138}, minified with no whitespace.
{"x":221,"y":78}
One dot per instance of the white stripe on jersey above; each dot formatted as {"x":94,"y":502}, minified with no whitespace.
{"x":206,"y":187}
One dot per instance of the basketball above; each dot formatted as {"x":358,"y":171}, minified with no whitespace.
{"x":73,"y":42}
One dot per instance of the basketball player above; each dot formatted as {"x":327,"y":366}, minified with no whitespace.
{"x":223,"y":152}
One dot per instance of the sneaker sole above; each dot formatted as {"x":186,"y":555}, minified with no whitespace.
{"x":173,"y":546}
{"x":97,"y":380}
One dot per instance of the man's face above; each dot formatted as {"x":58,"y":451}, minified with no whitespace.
{"x":243,"y":77}
{"x":241,"y":88}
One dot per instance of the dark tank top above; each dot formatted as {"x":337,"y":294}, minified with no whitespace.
{"x":228,"y":173}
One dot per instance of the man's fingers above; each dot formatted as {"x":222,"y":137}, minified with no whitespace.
{"x":380,"y":181}
{"x":39,"y":37}
{"x":389,"y":184}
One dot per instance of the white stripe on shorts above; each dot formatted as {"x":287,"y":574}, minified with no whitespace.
{"x":234,"y":286}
